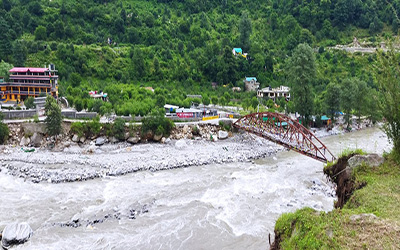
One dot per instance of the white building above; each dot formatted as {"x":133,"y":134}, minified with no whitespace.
{"x":274,"y":93}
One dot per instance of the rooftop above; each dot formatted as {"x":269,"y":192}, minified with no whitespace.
{"x":251,"y":78}
{"x":23,"y":70}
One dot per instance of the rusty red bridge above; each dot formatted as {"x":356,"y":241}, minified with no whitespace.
{"x":287,"y":132}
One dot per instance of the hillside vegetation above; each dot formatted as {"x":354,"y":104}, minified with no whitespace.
{"x":180,"y":47}
{"x":368,"y":220}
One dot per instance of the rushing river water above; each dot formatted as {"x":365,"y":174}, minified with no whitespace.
{"x":224,"y":206}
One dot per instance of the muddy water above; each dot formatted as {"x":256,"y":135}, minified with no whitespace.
{"x":226,"y":206}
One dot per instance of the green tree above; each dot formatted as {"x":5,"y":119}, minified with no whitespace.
{"x":157,"y":70}
{"x":138,"y":62}
{"x":395,"y":25}
{"x":332,"y":100}
{"x":5,"y":39}
{"x":254,"y":102}
{"x":160,"y":101}
{"x":75,"y":79}
{"x":118,"y":128}
{"x":19,"y":53}
{"x":78,"y":104}
{"x":155,"y":120}
{"x":29,"y":103}
{"x":53,"y":116}
{"x":301,"y":71}
{"x":348,"y":99}
{"x":4,"y":68}
{"x":361,"y":99}
{"x":214,"y":100}
{"x":205,"y":99}
{"x":40,"y":33}
{"x":245,"y":30}
{"x":388,"y":72}
{"x":4,"y":131}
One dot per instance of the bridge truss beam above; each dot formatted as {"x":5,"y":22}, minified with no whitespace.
{"x":286,"y":132}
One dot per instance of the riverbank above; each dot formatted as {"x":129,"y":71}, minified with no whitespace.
{"x":366,"y":214}
{"x":79,"y":162}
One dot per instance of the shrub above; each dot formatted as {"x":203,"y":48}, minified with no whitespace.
{"x":157,"y":123}
{"x":36,"y":119}
{"x":93,"y":127}
{"x":4,"y":131}
{"x":29,"y":103}
{"x":78,"y":128}
{"x":118,"y":128}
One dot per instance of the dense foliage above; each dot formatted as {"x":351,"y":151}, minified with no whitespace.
{"x":53,"y":116}
{"x":157,"y":124}
{"x":388,"y":72}
{"x":181,"y":47}
{"x":4,"y":131}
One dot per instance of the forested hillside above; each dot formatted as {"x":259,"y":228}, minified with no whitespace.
{"x":180,"y":47}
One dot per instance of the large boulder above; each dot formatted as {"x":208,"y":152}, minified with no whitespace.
{"x":372,"y":160}
{"x":100,"y":141}
{"x":75,"y":138}
{"x":180,"y":144}
{"x":16,"y":233}
{"x":222,"y":134}
{"x":25,"y":141}
{"x":36,"y":139}
{"x":133,"y":140}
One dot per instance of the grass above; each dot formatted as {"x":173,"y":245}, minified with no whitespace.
{"x":338,"y":229}
{"x":345,"y":152}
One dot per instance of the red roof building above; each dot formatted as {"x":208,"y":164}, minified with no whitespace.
{"x":24,"y":82}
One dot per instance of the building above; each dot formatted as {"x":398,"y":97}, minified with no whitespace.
{"x":274,"y":93}
{"x":239,"y":52}
{"x":170,"y":108}
{"x":251,"y":84}
{"x":98,"y":95}
{"x":26,"y":82}
{"x":189,"y":113}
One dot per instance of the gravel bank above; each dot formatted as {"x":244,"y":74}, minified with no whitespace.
{"x":78,"y":163}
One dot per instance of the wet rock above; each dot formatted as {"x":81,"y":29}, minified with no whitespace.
{"x":222,"y":134}
{"x":185,"y":129}
{"x":16,"y":233}
{"x":100,"y":141}
{"x":372,"y":160}
{"x":157,"y":137}
{"x":66,"y":144}
{"x":133,"y":140}
{"x":75,"y":138}
{"x":82,"y":139}
{"x":180,"y":144}
{"x":114,"y":140}
{"x":36,"y":139}
{"x":25,"y":141}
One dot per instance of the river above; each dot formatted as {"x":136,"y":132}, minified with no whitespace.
{"x":218,"y":206}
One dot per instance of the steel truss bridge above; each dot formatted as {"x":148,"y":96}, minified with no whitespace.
{"x":287,"y":132}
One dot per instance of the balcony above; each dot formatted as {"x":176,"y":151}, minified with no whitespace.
{"x":20,"y":84}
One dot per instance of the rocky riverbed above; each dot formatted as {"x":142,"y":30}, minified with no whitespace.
{"x":79,"y":162}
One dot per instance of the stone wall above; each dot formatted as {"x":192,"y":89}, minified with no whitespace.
{"x":13,"y":114}
{"x":78,"y":115}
